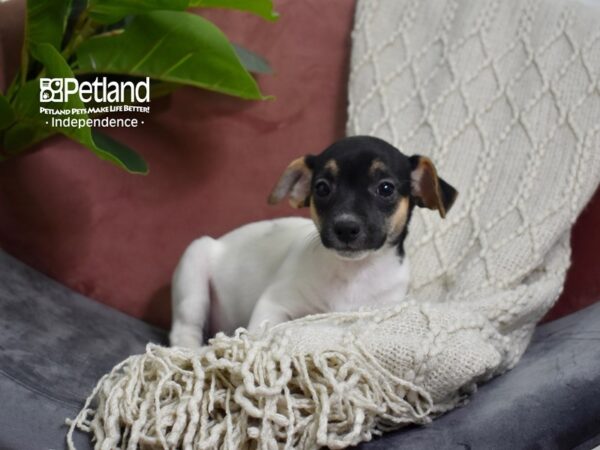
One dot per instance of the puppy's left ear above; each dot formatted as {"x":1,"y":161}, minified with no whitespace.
{"x":428,"y":188}
{"x":295,"y":182}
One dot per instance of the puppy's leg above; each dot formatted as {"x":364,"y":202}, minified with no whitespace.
{"x":278,"y":304}
{"x":269,"y":311}
{"x":190,"y":293}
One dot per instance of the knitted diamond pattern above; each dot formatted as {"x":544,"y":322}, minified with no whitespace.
{"x":504,"y":97}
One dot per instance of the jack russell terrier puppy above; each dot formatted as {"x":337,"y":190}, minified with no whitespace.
{"x":361,"y":192}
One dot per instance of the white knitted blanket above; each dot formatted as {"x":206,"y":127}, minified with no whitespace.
{"x":504,"y":96}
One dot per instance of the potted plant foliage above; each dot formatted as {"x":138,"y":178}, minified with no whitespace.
{"x":158,"y":40}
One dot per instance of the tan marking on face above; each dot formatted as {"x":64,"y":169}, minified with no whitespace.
{"x":315,"y":215}
{"x":332,"y":166}
{"x":397,"y":221}
{"x":377,"y":165}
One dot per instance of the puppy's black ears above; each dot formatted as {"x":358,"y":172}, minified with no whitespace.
{"x":295,"y":182}
{"x":429,"y":190}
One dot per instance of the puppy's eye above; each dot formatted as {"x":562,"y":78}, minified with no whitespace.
{"x":322,"y":188}
{"x":385,"y":189}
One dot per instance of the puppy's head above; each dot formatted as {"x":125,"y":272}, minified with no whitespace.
{"x":361,"y":192}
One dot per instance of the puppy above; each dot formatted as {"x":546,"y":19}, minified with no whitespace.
{"x":361,"y":192}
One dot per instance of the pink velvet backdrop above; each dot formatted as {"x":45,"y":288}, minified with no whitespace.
{"x":582,"y":286}
{"x":116,"y":237}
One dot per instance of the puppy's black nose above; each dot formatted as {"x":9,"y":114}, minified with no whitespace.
{"x":346,"y":230}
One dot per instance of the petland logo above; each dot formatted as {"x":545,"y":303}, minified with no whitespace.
{"x":59,"y":90}
{"x":106,"y":97}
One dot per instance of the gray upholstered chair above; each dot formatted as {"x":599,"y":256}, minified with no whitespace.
{"x":55,"y":344}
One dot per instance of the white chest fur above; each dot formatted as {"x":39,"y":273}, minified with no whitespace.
{"x":378,"y":280}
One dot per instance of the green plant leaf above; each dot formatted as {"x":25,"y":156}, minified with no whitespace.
{"x":161,"y":89}
{"x":31,"y":121}
{"x":46,"y":21}
{"x":30,"y":126}
{"x":262,"y":8}
{"x":23,"y":135}
{"x":127,"y":156}
{"x":252,"y":61}
{"x":7,"y":115}
{"x":170,"y":46}
{"x":111,"y":11}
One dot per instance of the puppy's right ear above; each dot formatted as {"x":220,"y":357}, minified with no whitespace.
{"x":295,"y":182}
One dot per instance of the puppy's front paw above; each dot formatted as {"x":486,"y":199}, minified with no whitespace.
{"x":185,"y":337}
{"x":256,"y":329}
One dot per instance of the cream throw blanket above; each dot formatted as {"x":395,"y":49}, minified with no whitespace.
{"x":505,"y":97}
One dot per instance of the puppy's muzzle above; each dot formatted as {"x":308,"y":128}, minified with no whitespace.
{"x":347,"y":229}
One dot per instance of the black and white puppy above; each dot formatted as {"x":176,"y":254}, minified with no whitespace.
{"x":361,"y":192}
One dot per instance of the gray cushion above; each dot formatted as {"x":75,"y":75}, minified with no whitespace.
{"x":55,"y":344}
{"x":550,"y":400}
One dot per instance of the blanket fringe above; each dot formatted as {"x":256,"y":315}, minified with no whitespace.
{"x":240,"y":391}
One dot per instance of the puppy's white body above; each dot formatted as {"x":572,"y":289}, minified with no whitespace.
{"x":275,"y":270}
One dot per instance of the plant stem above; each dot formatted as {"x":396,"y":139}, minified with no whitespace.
{"x":83,"y":29}
{"x":11,"y":87}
